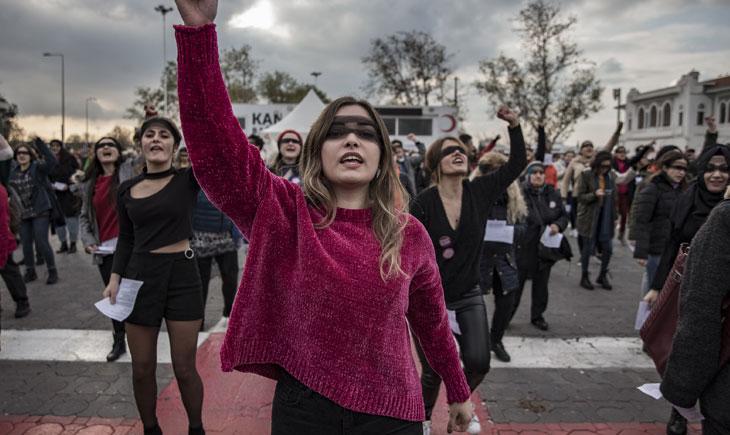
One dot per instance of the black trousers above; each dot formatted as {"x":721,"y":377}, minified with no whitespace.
{"x":228,"y":266}
{"x":105,"y":269}
{"x":299,"y":410}
{"x":540,"y":281}
{"x":474,"y":346}
{"x":14,"y":280}
{"x":503,"y":308}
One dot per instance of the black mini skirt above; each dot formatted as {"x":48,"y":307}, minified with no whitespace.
{"x":171,"y":289}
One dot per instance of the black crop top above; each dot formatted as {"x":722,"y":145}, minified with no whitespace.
{"x":158,"y":220}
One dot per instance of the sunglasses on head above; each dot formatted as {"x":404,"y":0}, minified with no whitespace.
{"x":290,"y":140}
{"x":712,"y":168}
{"x":362,"y":127}
{"x":451,"y":150}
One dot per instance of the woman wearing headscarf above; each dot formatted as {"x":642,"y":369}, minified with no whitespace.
{"x":545,"y":210}
{"x":690,"y":213}
{"x":498,"y":266}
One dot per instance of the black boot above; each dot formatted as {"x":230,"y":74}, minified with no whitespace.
{"x":52,"y":276}
{"x":22,"y":309}
{"x":72,"y":248}
{"x":603,"y":280}
{"x":585,"y":282}
{"x":677,"y":425}
{"x":500,"y":352}
{"x":30,"y":275}
{"x":118,"y":348}
{"x":64,"y":248}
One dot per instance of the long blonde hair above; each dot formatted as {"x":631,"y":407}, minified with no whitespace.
{"x":389,"y":198}
{"x":516,"y":205}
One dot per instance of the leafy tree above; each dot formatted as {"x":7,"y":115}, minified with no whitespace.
{"x":551,"y":84}
{"x":145,"y":95}
{"x":74,"y":140}
{"x":239,"y":70}
{"x":281,"y":87}
{"x":122,"y":135}
{"x":8,"y":111}
{"x":408,"y":68}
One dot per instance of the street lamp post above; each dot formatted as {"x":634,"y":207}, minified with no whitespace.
{"x":88,"y":100}
{"x":63,"y":93}
{"x":164,"y":11}
{"x":617,"y":97}
{"x":316,"y":75}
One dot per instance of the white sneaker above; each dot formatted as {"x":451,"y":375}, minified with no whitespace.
{"x":474,"y":426}
{"x":427,"y":427}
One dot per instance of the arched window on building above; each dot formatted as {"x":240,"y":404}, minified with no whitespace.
{"x":666,"y":115}
{"x":680,"y":120}
{"x":640,"y":118}
{"x":723,"y":114}
{"x":700,"y":114}
{"x":652,"y":117}
{"x":628,"y":121}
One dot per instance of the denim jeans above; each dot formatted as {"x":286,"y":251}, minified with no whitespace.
{"x":72,"y":227}
{"x":36,"y":229}
{"x":297,"y":409}
{"x":652,"y":264}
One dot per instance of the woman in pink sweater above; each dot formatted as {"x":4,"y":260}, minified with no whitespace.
{"x":331,"y":321}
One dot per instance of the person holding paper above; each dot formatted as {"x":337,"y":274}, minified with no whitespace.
{"x":498,"y":264}
{"x":155,"y":226}
{"x":545,"y":213}
{"x":336,"y":270}
{"x":98,"y":223}
{"x":454,"y":211}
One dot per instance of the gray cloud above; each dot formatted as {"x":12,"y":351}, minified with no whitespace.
{"x":112,"y":46}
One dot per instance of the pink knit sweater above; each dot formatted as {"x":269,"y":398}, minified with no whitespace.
{"x":312,"y":301}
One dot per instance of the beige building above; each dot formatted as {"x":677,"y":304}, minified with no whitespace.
{"x":675,"y":115}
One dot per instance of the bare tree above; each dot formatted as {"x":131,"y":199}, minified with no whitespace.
{"x":145,"y":95}
{"x":281,"y":87}
{"x":239,"y":71}
{"x":554,"y":85}
{"x":407,"y":68}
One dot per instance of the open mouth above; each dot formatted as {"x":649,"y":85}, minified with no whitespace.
{"x":458,"y":160}
{"x":352,"y":159}
{"x":154,"y":148}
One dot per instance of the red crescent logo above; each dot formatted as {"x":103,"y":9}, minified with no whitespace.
{"x":453,"y":123}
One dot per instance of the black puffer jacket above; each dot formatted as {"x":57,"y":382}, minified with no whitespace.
{"x":651,"y":212}
{"x":545,"y":207}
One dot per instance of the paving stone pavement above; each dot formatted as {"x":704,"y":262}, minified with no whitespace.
{"x":97,"y":397}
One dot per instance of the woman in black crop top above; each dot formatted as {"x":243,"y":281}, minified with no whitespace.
{"x":155,"y":213}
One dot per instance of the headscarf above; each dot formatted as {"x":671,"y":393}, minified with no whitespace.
{"x":704,"y":200}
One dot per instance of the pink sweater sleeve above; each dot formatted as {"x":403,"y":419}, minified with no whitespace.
{"x":428,"y":319}
{"x":227,"y":167}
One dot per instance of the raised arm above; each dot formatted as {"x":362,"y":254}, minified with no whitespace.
{"x":6,"y":153}
{"x":49,"y":160}
{"x":710,"y":134}
{"x":541,"y":144}
{"x":613,"y":140}
{"x":490,"y":186}
{"x":228,"y":168}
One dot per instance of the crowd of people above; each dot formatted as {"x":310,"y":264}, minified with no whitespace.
{"x":354,"y":246}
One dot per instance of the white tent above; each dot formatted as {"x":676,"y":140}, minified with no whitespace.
{"x":301,"y":118}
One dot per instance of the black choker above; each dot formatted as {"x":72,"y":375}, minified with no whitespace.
{"x":158,"y":175}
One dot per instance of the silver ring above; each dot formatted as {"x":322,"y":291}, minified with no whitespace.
{"x":189,"y":254}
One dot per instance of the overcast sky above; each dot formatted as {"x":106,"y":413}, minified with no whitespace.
{"x":113,"y":46}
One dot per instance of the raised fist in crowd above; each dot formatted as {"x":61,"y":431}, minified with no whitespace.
{"x":197,"y":12}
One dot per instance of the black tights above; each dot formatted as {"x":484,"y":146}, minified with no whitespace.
{"x":183,"y":348}
{"x":105,"y":269}
{"x":471,"y":315}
